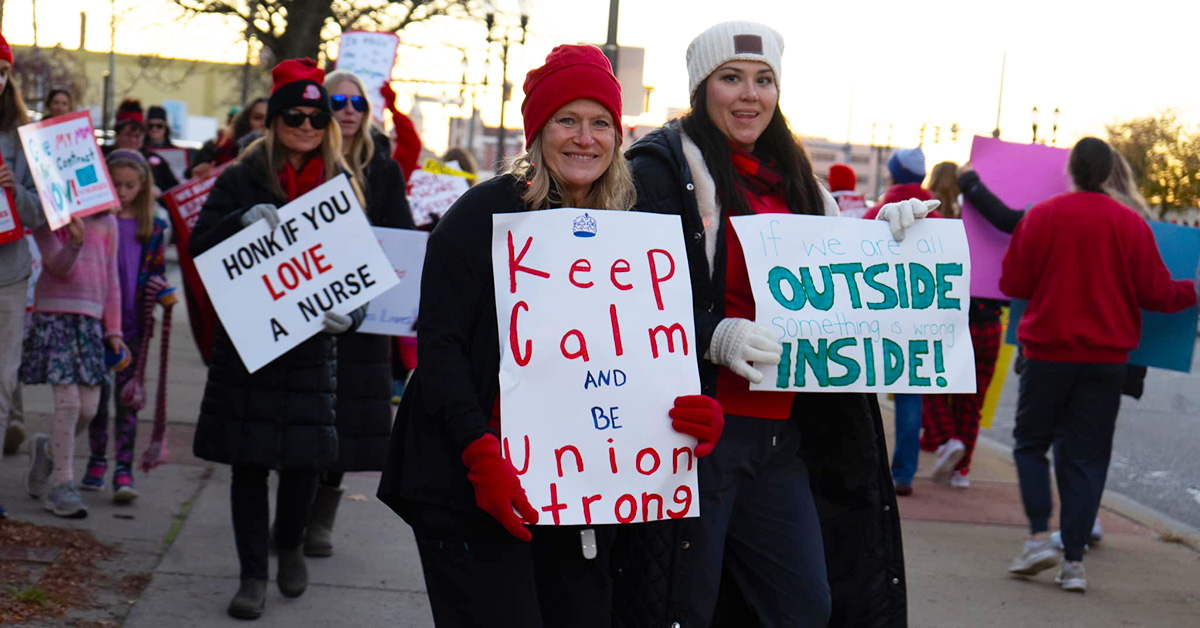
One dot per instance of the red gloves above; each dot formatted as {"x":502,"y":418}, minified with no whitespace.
{"x":497,"y":489}
{"x":699,"y":416}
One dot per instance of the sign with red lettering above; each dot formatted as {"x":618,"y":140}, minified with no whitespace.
{"x":184,"y":202}
{"x":596,"y":340}
{"x":272,"y":287}
{"x":68,"y":169}
{"x":431,"y":194}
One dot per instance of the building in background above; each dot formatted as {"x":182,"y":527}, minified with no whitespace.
{"x":869,"y":163}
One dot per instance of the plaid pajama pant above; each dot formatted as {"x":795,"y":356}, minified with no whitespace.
{"x":957,"y":416}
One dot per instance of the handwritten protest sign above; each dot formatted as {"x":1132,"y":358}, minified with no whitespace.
{"x":851,"y":204}
{"x":1020,"y":175}
{"x":272,"y":287}
{"x":394,"y":312}
{"x":10,"y":224}
{"x":1168,"y":340}
{"x":371,"y":57}
{"x":67,"y":167}
{"x":176,"y":158}
{"x":857,"y":311}
{"x":595,"y":316}
{"x":431,"y":194}
{"x":184,"y":202}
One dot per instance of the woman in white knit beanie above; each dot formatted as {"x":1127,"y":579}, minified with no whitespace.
{"x":797,"y":477}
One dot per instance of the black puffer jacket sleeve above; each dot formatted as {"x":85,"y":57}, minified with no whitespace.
{"x":221,"y":215}
{"x":1000,"y":215}
{"x":387,"y":194}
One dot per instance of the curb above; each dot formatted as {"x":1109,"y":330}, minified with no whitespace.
{"x":1127,"y":507}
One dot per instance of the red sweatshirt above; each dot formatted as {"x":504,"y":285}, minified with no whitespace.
{"x":1088,"y":265}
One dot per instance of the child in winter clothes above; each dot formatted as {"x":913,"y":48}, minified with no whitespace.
{"x":140,"y":271}
{"x":76,"y":313}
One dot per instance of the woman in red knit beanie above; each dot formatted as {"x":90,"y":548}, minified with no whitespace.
{"x":446,"y":474}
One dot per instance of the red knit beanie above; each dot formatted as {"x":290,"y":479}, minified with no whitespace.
{"x":129,"y":112}
{"x":298,"y":83}
{"x":571,"y":72}
{"x":841,"y":177}
{"x":5,"y":49}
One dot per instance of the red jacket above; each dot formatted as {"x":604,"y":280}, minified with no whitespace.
{"x":1088,"y":265}
{"x":902,"y":192}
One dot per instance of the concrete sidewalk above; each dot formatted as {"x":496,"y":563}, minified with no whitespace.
{"x":177,"y":566}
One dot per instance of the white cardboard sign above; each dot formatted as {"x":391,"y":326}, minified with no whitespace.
{"x":394,"y":312}
{"x":68,"y":169}
{"x":430,"y":195}
{"x":370,"y":56}
{"x":271,"y":288}
{"x":857,"y":311}
{"x":594,"y":310}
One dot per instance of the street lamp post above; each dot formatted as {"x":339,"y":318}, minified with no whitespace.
{"x":1055,"y":118}
{"x":1033,"y":118}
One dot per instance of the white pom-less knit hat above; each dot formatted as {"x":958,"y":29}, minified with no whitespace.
{"x":732,"y":41}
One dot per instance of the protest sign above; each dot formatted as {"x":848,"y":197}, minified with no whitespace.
{"x":595,"y":317}
{"x":430,"y":194}
{"x":893,"y":320}
{"x":10,"y":223}
{"x":1019,"y":175}
{"x":851,"y":204}
{"x":272,"y":287}
{"x":67,"y":167}
{"x":394,"y":312}
{"x":176,"y":158}
{"x":184,"y":202}
{"x":1168,"y":340}
{"x":370,"y":56}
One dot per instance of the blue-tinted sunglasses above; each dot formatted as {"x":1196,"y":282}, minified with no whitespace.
{"x":338,"y":101}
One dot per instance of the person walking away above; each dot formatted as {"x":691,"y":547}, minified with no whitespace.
{"x":446,"y":474}
{"x":364,"y":370}
{"x":17,"y":185}
{"x":141,"y":274}
{"x":799,"y":478}
{"x":281,"y":416}
{"x":1088,"y":266}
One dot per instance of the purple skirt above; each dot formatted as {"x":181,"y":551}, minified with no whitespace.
{"x":63,"y":349}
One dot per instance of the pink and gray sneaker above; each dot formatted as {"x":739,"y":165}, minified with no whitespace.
{"x":123,"y":489}
{"x":93,"y":478}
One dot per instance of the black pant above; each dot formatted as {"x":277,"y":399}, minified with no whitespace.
{"x":489,"y":578}
{"x":1072,"y":406}
{"x":759,"y":526}
{"x":332,"y":479}
{"x":252,"y":516}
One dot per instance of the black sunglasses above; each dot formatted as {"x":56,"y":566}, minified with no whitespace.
{"x":318,"y":119}
{"x":156,"y":125}
{"x":339,"y":102}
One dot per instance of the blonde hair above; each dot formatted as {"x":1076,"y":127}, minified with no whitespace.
{"x":613,"y":190}
{"x":362,"y":148}
{"x":1122,"y":188}
{"x":275,"y":154}
{"x":143,"y":204}
{"x":943,"y":183}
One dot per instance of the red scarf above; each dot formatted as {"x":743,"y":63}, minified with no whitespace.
{"x":759,"y":177}
{"x":295,"y":184}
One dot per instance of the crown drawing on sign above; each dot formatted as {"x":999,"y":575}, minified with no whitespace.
{"x":584,"y":226}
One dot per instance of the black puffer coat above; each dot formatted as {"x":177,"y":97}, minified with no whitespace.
{"x":841,"y":441}
{"x":364,"y":367}
{"x":281,"y":416}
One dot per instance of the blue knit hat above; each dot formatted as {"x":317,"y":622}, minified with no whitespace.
{"x":907,"y":165}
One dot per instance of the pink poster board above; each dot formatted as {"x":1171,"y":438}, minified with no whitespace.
{"x":1020,"y":175}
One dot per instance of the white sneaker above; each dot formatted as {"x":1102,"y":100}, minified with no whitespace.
{"x":960,"y":480}
{"x":1095,"y":537}
{"x":1097,"y":532}
{"x":1072,"y":577}
{"x":948,"y":456}
{"x":41,"y":467}
{"x":1035,"y":557}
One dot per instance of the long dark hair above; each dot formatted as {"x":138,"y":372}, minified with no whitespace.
{"x":776,"y":145}
{"x":241,"y":123}
{"x":54,"y":92}
{"x":1090,"y":164}
{"x":12,"y":106}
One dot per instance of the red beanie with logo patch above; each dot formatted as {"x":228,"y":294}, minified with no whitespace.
{"x":298,"y":83}
{"x":571,"y":72}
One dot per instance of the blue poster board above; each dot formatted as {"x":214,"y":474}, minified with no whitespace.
{"x":1167,"y":340}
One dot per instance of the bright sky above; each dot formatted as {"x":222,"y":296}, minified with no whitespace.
{"x":935,"y":62}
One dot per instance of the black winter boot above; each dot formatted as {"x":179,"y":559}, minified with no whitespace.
{"x":318,"y":538}
{"x":293,"y":573}
{"x":249,"y":601}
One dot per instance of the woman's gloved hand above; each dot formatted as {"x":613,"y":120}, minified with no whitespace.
{"x":737,"y":342}
{"x":902,"y":215}
{"x":498,"y":490}
{"x":335,"y":323}
{"x":699,"y":416}
{"x":261,"y":211}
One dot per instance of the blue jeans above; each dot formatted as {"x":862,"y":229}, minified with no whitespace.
{"x":908,"y":438}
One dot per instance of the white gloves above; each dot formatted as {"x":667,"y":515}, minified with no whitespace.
{"x":336,"y":323}
{"x":736,"y":342}
{"x":262,"y":210}
{"x":902,"y":215}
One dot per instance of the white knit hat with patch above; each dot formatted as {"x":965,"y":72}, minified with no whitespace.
{"x":732,"y":41}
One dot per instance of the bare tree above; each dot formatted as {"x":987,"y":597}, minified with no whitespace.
{"x":297,"y":28}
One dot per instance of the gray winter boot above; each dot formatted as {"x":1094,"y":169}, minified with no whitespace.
{"x":249,"y":601}
{"x":318,"y":538}
{"x":292,"y":577}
